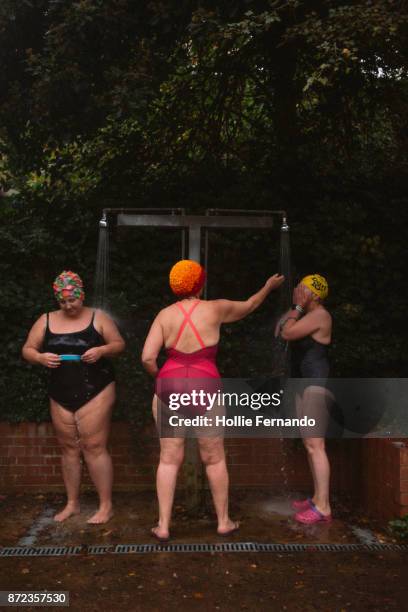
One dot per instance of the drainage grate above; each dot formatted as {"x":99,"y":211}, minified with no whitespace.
{"x":228,"y":547}
{"x":98,"y":550}
{"x":49,"y":551}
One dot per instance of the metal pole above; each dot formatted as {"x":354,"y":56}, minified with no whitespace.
{"x":183,"y":244}
{"x":285,"y":269}
{"x":194,"y":243}
{"x":206,"y":262}
{"x":193,"y":470}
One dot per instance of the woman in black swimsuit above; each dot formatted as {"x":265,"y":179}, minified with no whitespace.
{"x":74,"y":343}
{"x":308,"y":327}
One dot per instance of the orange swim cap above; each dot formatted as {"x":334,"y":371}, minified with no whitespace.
{"x":186,"y":278}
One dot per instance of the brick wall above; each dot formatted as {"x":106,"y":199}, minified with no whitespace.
{"x":384,"y":482}
{"x":373,"y":472}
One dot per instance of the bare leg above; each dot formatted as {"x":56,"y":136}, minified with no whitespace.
{"x":67,"y":435}
{"x":315,"y":404}
{"x":321,"y":472}
{"x":300,"y":413}
{"x":93,"y":422}
{"x":171,"y":458}
{"x":312,"y":471}
{"x":213,"y":456}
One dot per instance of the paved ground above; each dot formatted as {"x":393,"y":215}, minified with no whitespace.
{"x":207,"y":581}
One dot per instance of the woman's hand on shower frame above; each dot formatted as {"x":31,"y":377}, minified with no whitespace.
{"x":274,"y":281}
{"x":49,"y":360}
{"x":231,"y":311}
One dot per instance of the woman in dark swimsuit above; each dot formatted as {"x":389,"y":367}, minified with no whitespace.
{"x":189,"y":329}
{"x":74,"y":342}
{"x":308,"y":327}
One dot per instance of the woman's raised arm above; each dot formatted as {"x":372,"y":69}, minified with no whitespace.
{"x":231,"y":311}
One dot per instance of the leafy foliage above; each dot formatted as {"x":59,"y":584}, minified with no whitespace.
{"x":399,"y":527}
{"x":297,"y":105}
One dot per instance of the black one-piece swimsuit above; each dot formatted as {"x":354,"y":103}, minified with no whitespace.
{"x":74,"y":383}
{"x":309,"y":358}
{"x":309,"y":361}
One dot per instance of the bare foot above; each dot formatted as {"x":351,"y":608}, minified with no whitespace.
{"x":102,"y":516}
{"x":228,"y":528}
{"x":326,"y":510}
{"x":159,"y":533}
{"x":70,"y":509}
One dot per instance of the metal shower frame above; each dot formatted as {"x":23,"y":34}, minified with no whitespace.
{"x":192,"y":226}
{"x":214,"y":218}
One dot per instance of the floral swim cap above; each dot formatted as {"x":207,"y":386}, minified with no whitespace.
{"x":317,"y":284}
{"x":186,"y":278}
{"x":68,"y":285}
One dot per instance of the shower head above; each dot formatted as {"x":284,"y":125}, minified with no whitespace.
{"x":103,"y":222}
{"x":284,"y":226}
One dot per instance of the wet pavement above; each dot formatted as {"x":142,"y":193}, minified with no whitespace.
{"x":28,"y":521}
{"x":207,"y":581}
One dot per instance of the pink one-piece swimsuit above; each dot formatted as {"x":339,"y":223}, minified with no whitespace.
{"x":180,"y":369}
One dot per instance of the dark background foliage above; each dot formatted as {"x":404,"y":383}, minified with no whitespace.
{"x":300,"y":105}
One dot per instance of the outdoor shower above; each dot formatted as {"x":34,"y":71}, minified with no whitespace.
{"x":192,"y":228}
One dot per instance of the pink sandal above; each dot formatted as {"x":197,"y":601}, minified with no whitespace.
{"x":312,"y":515}
{"x":301,"y":504}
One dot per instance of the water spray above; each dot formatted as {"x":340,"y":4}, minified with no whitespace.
{"x":102,"y":264}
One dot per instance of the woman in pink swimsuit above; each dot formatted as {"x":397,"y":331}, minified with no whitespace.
{"x":183,"y":372}
{"x":189,"y":330}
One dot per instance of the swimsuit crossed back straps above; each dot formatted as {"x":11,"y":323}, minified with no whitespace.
{"x":179,"y":366}
{"x":74,"y":383}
